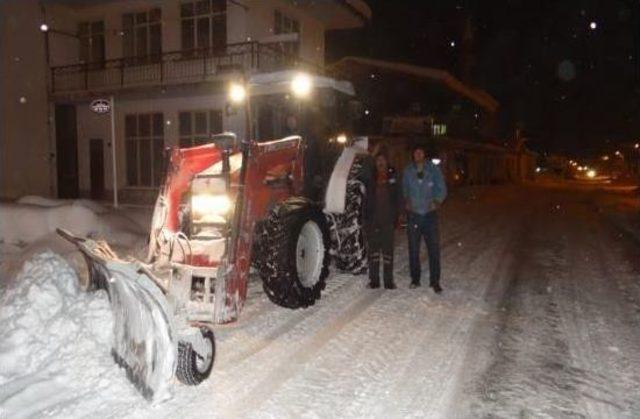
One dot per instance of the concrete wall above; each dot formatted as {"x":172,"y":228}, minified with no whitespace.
{"x":24,"y":142}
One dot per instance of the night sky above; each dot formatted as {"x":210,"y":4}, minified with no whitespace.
{"x":565,"y":72}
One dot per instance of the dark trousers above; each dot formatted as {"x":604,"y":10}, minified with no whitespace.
{"x":418,"y":227}
{"x":381,"y":250}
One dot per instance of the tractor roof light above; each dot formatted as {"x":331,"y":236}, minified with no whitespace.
{"x":301,"y":85}
{"x":237,"y":93}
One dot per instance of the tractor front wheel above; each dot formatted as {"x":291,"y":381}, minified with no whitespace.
{"x":295,"y":253}
{"x":195,"y":357}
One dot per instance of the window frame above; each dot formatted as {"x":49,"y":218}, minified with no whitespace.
{"x":91,"y":36}
{"x":215,"y":12}
{"x":193,"y":138}
{"x":154,"y":135}
{"x":284,"y":23}
{"x":132,"y":31}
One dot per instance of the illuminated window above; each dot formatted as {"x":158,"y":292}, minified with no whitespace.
{"x":439,"y":129}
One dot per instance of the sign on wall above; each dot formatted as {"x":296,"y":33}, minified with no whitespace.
{"x":100,"y":106}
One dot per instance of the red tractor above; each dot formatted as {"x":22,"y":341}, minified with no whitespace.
{"x":227,"y":207}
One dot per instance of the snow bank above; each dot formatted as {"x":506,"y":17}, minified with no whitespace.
{"x":48,"y":202}
{"x":52,"y":336}
{"x":32,"y":218}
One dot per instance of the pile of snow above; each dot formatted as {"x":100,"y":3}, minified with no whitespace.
{"x":32,"y":218}
{"x":51,"y":334}
{"x":48,"y":202}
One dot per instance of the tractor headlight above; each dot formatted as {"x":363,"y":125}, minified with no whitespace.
{"x":210,"y":201}
{"x":209,"y":205}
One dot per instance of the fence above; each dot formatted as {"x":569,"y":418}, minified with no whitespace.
{"x":173,"y":67}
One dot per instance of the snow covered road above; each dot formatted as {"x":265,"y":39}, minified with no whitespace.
{"x":540,"y":317}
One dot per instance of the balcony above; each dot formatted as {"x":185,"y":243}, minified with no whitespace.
{"x":171,"y":68}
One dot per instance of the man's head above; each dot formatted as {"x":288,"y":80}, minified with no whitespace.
{"x":382,"y":163}
{"x":418,"y":155}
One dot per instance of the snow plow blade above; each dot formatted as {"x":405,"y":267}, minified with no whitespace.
{"x":142,"y":325}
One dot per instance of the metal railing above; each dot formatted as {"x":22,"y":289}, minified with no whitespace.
{"x":174,"y":67}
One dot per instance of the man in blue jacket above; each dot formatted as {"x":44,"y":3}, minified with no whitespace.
{"x":424,"y":191}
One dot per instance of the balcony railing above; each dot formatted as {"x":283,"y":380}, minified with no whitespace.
{"x":172,"y":67}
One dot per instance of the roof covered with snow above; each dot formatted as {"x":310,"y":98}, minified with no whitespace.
{"x":361,"y":66}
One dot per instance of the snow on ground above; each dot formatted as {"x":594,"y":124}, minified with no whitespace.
{"x":540,"y":318}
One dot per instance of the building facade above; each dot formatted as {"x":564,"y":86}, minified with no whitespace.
{"x":165,"y":64}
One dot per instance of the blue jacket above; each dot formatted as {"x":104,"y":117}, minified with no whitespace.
{"x":423,"y":194}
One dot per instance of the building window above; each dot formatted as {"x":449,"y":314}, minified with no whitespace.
{"x":204,"y":26}
{"x":439,"y":129}
{"x":284,"y":24}
{"x":142,"y":36}
{"x":196,"y":127}
{"x":91,"y":42}
{"x":144,"y":139}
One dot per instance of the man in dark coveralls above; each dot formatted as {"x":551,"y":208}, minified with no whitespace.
{"x":381,"y":216}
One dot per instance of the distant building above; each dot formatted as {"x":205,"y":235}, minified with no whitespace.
{"x":167,"y":64}
{"x":402,"y":97}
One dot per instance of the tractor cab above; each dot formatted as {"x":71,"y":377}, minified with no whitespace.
{"x":322,"y":110}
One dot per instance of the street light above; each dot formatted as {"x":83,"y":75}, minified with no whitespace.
{"x":301,"y":85}
{"x":237,"y":93}
{"x":44,"y":27}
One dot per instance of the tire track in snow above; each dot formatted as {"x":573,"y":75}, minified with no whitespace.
{"x":606,"y":352}
{"x":367,"y":347}
{"x":302,"y":355}
{"x":327,"y":294}
{"x":453,"y":334}
{"x":539,"y":366}
{"x":527,"y":361}
{"x":290,"y":323}
{"x":288,"y":370}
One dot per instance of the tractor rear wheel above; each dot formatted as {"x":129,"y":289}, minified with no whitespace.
{"x":294,"y":253}
{"x":349,"y":246}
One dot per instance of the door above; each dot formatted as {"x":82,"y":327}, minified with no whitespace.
{"x":66,"y":151}
{"x":96,"y":168}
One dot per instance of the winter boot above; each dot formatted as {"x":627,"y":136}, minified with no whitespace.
{"x":374,"y":271}
{"x":414,"y":284}
{"x":387,"y":269}
{"x":436,"y":287}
